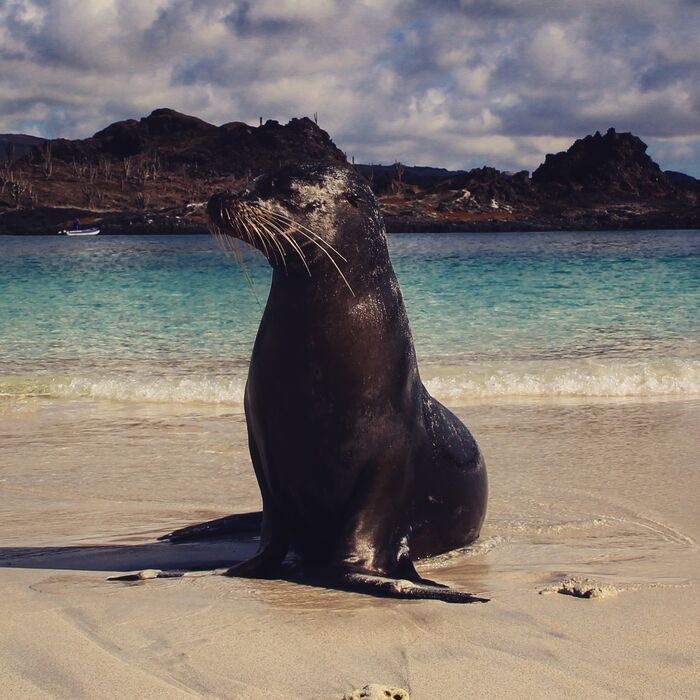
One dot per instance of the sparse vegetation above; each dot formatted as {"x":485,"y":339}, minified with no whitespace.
{"x":45,"y":150}
{"x":142,"y":199}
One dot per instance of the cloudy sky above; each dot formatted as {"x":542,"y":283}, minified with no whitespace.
{"x":439,"y":82}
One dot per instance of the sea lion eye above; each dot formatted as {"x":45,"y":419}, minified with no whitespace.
{"x":313,"y":205}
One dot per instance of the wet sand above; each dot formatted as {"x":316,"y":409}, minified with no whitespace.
{"x":605,"y":490}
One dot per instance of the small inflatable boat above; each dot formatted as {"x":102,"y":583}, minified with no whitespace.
{"x":81,"y":232}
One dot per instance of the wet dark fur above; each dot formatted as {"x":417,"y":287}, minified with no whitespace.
{"x":361,"y":471}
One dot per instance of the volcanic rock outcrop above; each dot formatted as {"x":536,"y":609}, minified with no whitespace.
{"x":177,"y":140}
{"x":153,"y":175}
{"x":610,"y":167}
{"x":150,"y":175}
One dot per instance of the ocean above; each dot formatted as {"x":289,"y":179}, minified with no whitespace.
{"x":573,"y":357}
{"x":171,"y":319}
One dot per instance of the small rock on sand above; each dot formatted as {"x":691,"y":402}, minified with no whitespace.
{"x":374,"y":691}
{"x":581,"y":588}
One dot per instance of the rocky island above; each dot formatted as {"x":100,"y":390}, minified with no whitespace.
{"x":154,"y":175}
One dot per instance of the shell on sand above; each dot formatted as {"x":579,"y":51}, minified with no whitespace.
{"x":148,"y":574}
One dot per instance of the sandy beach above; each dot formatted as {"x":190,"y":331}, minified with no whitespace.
{"x":602,"y":490}
{"x":340,"y":215}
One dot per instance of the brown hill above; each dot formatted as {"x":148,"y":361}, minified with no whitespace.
{"x":153,"y":175}
{"x":149,"y":174}
{"x":175,"y":141}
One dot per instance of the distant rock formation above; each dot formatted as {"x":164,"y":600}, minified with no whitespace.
{"x":611,"y":166}
{"x":484,"y":188}
{"x":390,"y":179}
{"x":602,"y":181}
{"x":154,"y":174}
{"x":179,"y":141}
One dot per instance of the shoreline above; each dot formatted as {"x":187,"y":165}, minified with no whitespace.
{"x":37,"y":222}
{"x":398,"y":231}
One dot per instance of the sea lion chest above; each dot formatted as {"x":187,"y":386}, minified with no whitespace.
{"x":330,"y":394}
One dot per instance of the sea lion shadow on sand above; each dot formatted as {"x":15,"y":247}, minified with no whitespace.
{"x":210,"y":557}
{"x":360,"y":470}
{"x":129,"y":557}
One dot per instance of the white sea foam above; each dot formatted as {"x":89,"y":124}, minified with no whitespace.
{"x":453,"y":385}
{"x":557,"y":379}
{"x":214,"y":390}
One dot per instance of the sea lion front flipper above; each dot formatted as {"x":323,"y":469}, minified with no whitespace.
{"x":274,"y":538}
{"x":272,"y":550}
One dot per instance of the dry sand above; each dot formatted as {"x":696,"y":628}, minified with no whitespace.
{"x":605,"y":491}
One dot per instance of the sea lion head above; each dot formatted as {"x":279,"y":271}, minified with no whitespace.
{"x":303,"y":218}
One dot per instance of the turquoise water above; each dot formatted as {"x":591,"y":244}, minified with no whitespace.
{"x":493,"y":315}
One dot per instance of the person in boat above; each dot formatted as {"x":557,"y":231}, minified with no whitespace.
{"x":76,"y":223}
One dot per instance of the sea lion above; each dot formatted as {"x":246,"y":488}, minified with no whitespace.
{"x":361,"y":471}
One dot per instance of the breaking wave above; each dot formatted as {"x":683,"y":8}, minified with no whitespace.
{"x":215,"y":390}
{"x":452,"y":385}
{"x":590,"y":379}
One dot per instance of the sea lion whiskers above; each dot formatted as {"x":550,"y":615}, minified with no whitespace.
{"x":316,"y":239}
{"x":262,"y":220}
{"x":297,"y":248}
{"x":225,"y":242}
{"x":286,"y":219}
{"x":247,"y":224}
{"x":223,"y":211}
{"x":262,"y":225}
{"x":241,"y":226}
{"x":252,"y":220}
{"x":298,"y":228}
{"x":335,"y":265}
{"x":229,"y":244}
{"x":262,"y":234}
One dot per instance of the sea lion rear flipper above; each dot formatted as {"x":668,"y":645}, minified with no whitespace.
{"x":221,"y":527}
{"x":403,"y":588}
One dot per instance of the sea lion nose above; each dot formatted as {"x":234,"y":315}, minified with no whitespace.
{"x":227,"y":198}
{"x":217,"y":204}
{"x":214,"y":208}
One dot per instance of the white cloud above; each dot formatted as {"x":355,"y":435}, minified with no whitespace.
{"x":450,"y":83}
